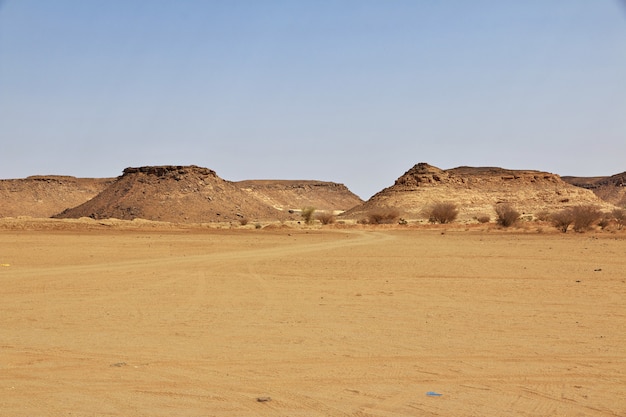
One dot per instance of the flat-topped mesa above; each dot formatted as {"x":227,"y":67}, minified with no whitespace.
{"x":476,"y":191}
{"x":173,"y":170}
{"x":424,"y":175}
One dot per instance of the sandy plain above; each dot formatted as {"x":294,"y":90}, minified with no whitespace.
{"x":339,"y":322}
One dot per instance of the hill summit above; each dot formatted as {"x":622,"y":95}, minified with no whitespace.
{"x":193,"y":194}
{"x":173,"y":194}
{"x":476,"y":191}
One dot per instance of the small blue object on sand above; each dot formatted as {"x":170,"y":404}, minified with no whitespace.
{"x":433,"y":394}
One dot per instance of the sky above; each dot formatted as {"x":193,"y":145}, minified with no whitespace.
{"x":350,"y":91}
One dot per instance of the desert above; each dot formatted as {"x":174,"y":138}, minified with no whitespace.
{"x":153,"y":319}
{"x":284,"y":317}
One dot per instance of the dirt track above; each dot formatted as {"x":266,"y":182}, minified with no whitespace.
{"x":334,"y":323}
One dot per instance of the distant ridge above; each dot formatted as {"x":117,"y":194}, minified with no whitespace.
{"x":611,"y":189}
{"x":46,"y":195}
{"x":296,"y":194}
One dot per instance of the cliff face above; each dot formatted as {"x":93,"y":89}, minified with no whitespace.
{"x":43,"y":196}
{"x":476,"y":191}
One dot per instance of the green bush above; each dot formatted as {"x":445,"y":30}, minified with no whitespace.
{"x":307,"y":214}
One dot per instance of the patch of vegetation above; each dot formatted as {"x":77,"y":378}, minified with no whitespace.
{"x":585,"y":217}
{"x":326,"y":218}
{"x":443,"y":212}
{"x":307,"y":214}
{"x":562,"y":219}
{"x":483,"y":218}
{"x":507,"y":215}
{"x":383,"y":216}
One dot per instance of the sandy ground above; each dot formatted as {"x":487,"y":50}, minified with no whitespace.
{"x":325,"y":323}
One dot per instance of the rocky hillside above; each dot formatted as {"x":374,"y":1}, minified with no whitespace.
{"x":610,"y":189}
{"x":194,"y":194}
{"x":174,"y":194}
{"x":44,"y":196}
{"x":296,"y":194}
{"x":476,"y":191}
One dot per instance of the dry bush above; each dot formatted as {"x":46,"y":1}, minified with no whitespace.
{"x":326,"y":218}
{"x":307,"y":214}
{"x":483,"y":218}
{"x":507,"y":215}
{"x":383,"y":216}
{"x":585,"y":217}
{"x":243,"y":221}
{"x":619,"y":215}
{"x":562,"y":219}
{"x":443,"y":212}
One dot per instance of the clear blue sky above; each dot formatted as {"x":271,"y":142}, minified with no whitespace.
{"x":355,"y":92}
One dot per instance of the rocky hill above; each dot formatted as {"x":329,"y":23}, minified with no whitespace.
{"x":610,"y":189}
{"x":194,"y":194}
{"x":296,"y":194}
{"x":44,"y":196}
{"x":476,"y":191}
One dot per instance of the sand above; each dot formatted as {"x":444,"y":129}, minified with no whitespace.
{"x":355,"y":322}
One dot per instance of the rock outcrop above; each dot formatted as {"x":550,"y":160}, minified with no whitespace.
{"x":476,"y":191}
{"x":174,"y":194}
{"x":191,"y":194}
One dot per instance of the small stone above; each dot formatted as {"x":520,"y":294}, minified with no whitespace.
{"x":263,"y":399}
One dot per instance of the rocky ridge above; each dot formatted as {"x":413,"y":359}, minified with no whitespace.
{"x":476,"y":191}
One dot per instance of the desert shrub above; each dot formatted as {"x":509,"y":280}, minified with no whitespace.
{"x":326,"y":218}
{"x":243,"y":221}
{"x":383,"y":216}
{"x":483,"y":218}
{"x":257,"y":225}
{"x":619,"y":215}
{"x":585,"y":217}
{"x":562,"y":219}
{"x":507,"y":215}
{"x":307,"y":214}
{"x":443,"y":212}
